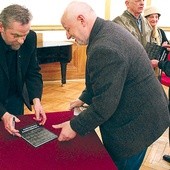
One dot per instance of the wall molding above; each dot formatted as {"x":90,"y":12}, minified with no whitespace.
{"x":47,"y":27}
{"x":107,"y":17}
{"x":165,"y":28}
{"x":60,"y":27}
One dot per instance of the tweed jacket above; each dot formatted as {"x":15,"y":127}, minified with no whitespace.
{"x":125,"y":99}
{"x":29,"y":80}
{"x":128,"y":21}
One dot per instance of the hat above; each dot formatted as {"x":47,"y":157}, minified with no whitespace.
{"x":151,"y":10}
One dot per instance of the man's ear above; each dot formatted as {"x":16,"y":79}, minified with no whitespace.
{"x":81,"y":18}
{"x":127,"y":3}
{"x":1,"y":27}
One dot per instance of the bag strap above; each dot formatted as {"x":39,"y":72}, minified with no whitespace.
{"x":160,"y":75}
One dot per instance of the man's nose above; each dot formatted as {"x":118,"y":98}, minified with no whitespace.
{"x":21,"y":40}
{"x":142,"y":2}
{"x":68,"y":35}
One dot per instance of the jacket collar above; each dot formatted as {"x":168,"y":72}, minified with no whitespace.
{"x":96,"y":28}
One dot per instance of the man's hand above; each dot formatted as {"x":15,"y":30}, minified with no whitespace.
{"x":9,"y":123}
{"x":76,"y":103}
{"x":154,"y":63}
{"x":166,"y":45}
{"x":66,"y":131}
{"x":39,"y":112}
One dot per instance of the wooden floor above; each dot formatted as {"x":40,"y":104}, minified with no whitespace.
{"x":57,"y":98}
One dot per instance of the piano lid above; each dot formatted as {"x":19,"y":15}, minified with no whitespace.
{"x":55,"y":43}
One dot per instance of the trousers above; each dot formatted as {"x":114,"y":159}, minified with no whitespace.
{"x":132,"y":163}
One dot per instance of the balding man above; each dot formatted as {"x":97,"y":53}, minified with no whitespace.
{"x":134,"y":22}
{"x":121,"y":89}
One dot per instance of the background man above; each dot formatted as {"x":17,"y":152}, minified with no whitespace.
{"x":134,"y":22}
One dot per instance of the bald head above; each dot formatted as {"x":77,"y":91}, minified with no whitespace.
{"x":78,"y":20}
{"x":76,"y":8}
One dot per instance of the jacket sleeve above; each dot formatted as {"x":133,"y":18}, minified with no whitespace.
{"x":102,"y":88}
{"x":86,"y":97}
{"x":2,"y":110}
{"x":165,"y":66}
{"x":32,"y":77}
{"x":164,"y":38}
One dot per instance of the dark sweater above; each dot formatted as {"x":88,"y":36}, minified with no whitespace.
{"x":165,"y":66}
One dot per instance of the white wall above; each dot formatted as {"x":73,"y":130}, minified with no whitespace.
{"x":54,"y":35}
{"x":49,"y":12}
{"x":168,"y":35}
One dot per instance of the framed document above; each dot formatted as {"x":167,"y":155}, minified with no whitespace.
{"x":37,"y":135}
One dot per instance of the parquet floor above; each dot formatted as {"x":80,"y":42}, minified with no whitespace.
{"x":57,"y":98}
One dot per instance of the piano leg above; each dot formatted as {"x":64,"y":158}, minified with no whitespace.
{"x":63,"y":72}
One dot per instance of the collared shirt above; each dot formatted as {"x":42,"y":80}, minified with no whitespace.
{"x":138,"y":21}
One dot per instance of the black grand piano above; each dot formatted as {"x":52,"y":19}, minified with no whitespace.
{"x":56,"y":51}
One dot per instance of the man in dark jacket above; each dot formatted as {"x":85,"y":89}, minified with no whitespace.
{"x":121,"y":89}
{"x":165,"y":67}
{"x":20,"y":80}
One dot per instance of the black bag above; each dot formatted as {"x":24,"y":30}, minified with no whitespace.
{"x":155,"y":51}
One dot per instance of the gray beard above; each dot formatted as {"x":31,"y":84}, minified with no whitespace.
{"x":16,"y":47}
